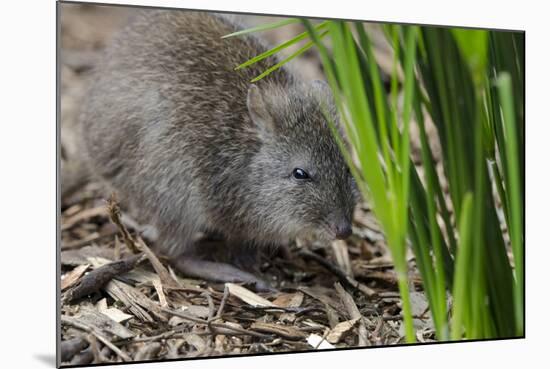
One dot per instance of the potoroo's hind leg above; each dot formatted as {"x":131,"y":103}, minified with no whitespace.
{"x":218,"y":272}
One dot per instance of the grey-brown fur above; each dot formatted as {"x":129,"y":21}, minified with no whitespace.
{"x":167,"y":126}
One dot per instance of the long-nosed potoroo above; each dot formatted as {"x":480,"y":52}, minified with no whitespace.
{"x":190,"y":145}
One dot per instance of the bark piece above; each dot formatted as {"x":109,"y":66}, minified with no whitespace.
{"x":97,"y":278}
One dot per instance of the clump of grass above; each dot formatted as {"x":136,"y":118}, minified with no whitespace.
{"x":470,"y":84}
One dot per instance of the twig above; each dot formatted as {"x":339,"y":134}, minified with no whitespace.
{"x":210,"y":338}
{"x":400,"y":317}
{"x":114,"y":214}
{"x":278,"y":309}
{"x":99,"y":336}
{"x":354,"y":313}
{"x":157,"y":285}
{"x":339,"y":273}
{"x":137,"y":245}
{"x":99,"y":277}
{"x":214,"y":325}
{"x":222,"y":302}
{"x":324,"y":338}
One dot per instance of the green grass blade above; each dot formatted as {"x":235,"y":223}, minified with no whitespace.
{"x":295,"y":54}
{"x":263,"y":27}
{"x":473,"y":46}
{"x":513,"y":187}
{"x":438,"y":245}
{"x":462,"y":271}
{"x":278,"y":48}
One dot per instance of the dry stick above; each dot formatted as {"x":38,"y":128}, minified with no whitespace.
{"x":376,"y":333}
{"x":164,"y":335}
{"x":400,"y":317}
{"x":211,"y":307}
{"x":137,"y":245}
{"x":354,"y":313}
{"x":214,"y":325}
{"x":114,"y":213}
{"x":157,"y":285}
{"x":175,"y":333}
{"x":339,"y":273}
{"x":210,"y":339}
{"x":99,"y":277}
{"x":278,"y":309}
{"x":325,"y":335}
{"x":222,"y":302}
{"x":99,"y":336}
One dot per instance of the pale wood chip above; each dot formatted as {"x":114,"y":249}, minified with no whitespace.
{"x":248,"y":296}
{"x":103,"y":323}
{"x":318,"y":342}
{"x":312,"y":324}
{"x":116,"y":314}
{"x":98,"y":261}
{"x":80,"y":256}
{"x":140,"y":275}
{"x":341,"y":330}
{"x":322,"y":294}
{"x":165,"y":277}
{"x":196,"y":341}
{"x":219,"y":343}
{"x":197,"y":310}
{"x":130,"y":297}
{"x":101,"y":305}
{"x":70,"y":278}
{"x":175,"y":321}
{"x":286,"y":300}
{"x":160,"y":292}
{"x":340,"y":249}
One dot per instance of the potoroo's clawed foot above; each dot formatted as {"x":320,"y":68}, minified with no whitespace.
{"x":218,"y":272}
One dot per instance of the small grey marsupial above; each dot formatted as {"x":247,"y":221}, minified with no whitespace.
{"x":191,"y":145}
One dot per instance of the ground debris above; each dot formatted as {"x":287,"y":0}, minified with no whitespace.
{"x":97,"y":278}
{"x":139,"y":308}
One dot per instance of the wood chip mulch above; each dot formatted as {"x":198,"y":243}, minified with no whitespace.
{"x":121,"y":302}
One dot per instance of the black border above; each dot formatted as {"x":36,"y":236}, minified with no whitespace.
{"x":58,"y":188}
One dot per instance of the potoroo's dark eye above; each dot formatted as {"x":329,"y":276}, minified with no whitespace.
{"x":300,"y":174}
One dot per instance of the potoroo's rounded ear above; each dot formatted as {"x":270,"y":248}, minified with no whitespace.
{"x":320,"y":85}
{"x":323,"y":93}
{"x":258,"y":110}
{"x":322,"y":90}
